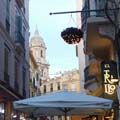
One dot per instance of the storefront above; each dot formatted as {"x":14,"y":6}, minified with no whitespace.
{"x":7,"y":96}
{"x":110,"y":83}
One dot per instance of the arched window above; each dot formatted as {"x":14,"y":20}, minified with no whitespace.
{"x":42,"y":72}
{"x":41,"y":53}
{"x":44,"y":88}
{"x":58,"y":85}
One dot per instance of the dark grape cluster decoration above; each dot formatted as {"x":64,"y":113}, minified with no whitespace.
{"x":72,"y":35}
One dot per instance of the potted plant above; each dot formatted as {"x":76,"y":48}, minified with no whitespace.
{"x":72,"y":35}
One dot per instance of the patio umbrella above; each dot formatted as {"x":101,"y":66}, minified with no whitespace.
{"x":63,"y":103}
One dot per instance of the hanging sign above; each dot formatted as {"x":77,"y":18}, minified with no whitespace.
{"x":110,"y":79}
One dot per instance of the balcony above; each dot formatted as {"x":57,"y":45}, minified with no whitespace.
{"x":99,"y":41}
{"x":98,"y":15}
{"x":19,"y":40}
{"x":99,"y":32}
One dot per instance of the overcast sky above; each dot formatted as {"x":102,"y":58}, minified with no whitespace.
{"x":60,"y":55}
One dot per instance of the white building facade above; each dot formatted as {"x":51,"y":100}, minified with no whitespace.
{"x":80,"y":47}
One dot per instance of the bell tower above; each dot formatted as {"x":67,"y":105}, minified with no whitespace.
{"x":38,"y":48}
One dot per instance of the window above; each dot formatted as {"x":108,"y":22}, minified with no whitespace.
{"x":6,"y":60}
{"x":23,"y":8}
{"x":73,"y":87}
{"x":7,"y":26}
{"x":42,"y":73}
{"x":18,"y":23}
{"x":37,"y":76}
{"x":16,"y":74}
{"x":51,"y":87}
{"x":8,"y":15}
{"x":24,"y":31}
{"x":44,"y":88}
{"x":102,"y":2}
{"x":59,"y":117}
{"x":24,"y":78}
{"x":65,"y":86}
{"x":41,"y":53}
{"x":6,"y":63}
{"x":58,"y":85}
{"x":40,"y":82}
{"x":18,"y":30}
{"x":51,"y":117}
{"x":100,"y":5}
{"x":76,"y":50}
{"x":33,"y":82}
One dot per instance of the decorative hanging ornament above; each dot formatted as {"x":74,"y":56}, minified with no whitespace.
{"x":72,"y":35}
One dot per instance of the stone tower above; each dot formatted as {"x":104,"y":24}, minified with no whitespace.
{"x":38,"y":48}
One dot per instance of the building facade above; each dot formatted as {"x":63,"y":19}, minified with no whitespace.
{"x":14,"y":38}
{"x":79,"y":48}
{"x":98,"y":43}
{"x":68,"y":80}
{"x":100,"y":49}
{"x":34,"y":76}
{"x":38,"y":50}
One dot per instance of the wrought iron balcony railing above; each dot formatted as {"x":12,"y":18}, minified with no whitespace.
{"x":97,"y":10}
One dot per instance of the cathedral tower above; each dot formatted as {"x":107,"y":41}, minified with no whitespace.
{"x":38,"y":48}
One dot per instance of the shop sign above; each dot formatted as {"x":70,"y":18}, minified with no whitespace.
{"x":110,"y":78}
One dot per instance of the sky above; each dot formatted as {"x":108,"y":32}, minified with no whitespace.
{"x":60,"y":55}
